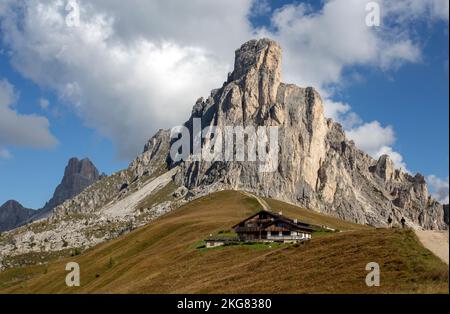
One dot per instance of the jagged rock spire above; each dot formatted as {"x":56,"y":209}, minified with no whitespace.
{"x":263,"y":55}
{"x":385,"y":167}
{"x":258,"y":66}
{"x":78,"y":175}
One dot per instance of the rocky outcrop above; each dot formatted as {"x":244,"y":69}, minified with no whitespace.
{"x":78,"y":175}
{"x":154,"y":156}
{"x":12,"y":214}
{"x":317,"y":166}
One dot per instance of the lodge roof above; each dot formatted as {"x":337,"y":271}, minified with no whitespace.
{"x":277,"y":218}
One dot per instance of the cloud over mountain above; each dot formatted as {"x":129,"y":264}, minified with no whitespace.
{"x":440,"y":188}
{"x":18,"y":129}
{"x":132,"y":67}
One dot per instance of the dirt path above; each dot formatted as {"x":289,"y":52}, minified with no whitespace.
{"x":435,"y":241}
{"x":262,"y":202}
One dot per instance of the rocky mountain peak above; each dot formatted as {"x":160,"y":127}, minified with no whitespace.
{"x":255,"y":78}
{"x":84,"y":168}
{"x":78,"y":175}
{"x":317,"y":166}
{"x":12,"y":213}
{"x":12,"y":204}
{"x":261,"y":56}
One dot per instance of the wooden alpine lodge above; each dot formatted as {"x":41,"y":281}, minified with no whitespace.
{"x":272,"y":227}
{"x":266,"y":226}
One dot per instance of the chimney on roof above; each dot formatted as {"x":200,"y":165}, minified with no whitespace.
{"x":295,"y":220}
{"x":280,"y":213}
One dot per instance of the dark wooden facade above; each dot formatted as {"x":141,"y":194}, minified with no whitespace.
{"x":270,"y":226}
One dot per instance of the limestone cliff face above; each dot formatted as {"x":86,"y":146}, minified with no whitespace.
{"x":318,"y":167}
{"x":155,"y":154}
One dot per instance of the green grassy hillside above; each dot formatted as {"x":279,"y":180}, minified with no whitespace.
{"x":163,"y":257}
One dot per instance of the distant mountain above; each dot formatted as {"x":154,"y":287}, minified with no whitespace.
{"x":12,"y":214}
{"x":78,"y":175}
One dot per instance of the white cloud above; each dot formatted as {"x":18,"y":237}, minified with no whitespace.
{"x":126,"y":88}
{"x":19,"y":129}
{"x":393,"y":55}
{"x":439,"y":188}
{"x":396,"y":157}
{"x":342,"y":113}
{"x":407,"y":10}
{"x":44,"y":103}
{"x":371,"y":137}
{"x":218,"y":26}
{"x":318,"y":45}
{"x":135,"y":66}
{"x":376,"y":140}
{"x":335,"y":109}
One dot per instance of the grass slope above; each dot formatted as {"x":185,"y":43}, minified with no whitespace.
{"x":163,"y":257}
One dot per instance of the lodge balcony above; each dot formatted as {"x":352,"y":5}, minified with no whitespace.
{"x":289,"y":237}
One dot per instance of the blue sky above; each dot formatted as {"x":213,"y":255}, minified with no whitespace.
{"x":122,"y":74}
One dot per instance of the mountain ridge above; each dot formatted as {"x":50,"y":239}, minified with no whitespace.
{"x":78,"y":175}
{"x":317,"y":168}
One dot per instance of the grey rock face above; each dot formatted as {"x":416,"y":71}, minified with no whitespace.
{"x":78,"y":175}
{"x":318,"y":167}
{"x":12,"y":214}
{"x":154,"y":156}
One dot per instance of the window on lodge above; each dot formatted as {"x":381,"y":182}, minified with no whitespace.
{"x":286,"y":233}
